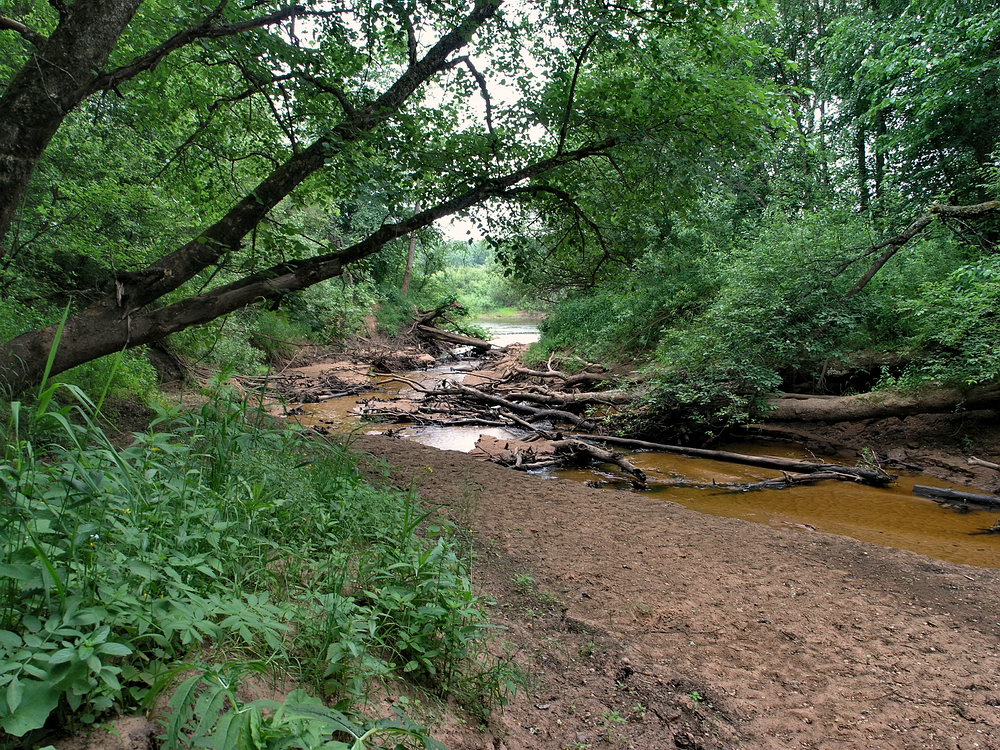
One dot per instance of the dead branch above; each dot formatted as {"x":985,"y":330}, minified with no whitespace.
{"x":973,"y":461}
{"x":875,"y":477}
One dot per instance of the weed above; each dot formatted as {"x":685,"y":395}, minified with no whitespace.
{"x":609,"y":721}
{"x":212,"y":530}
{"x":525,"y":583}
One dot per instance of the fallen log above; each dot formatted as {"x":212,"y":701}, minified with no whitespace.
{"x":568,"y":381}
{"x":940,"y":494}
{"x":524,"y":454}
{"x":881,"y":404}
{"x":458,"y":389}
{"x":567,"y":399}
{"x":875,"y":477}
{"x":452,"y":338}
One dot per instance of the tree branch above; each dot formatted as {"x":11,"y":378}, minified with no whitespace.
{"x":205,"y":30}
{"x":481,"y":80}
{"x":894,"y":244}
{"x":411,"y":36}
{"x":564,"y":130}
{"x":32,"y":36}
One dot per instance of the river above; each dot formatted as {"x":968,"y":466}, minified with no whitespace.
{"x":890,"y":517}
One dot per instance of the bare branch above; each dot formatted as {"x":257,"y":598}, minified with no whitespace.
{"x":32,"y":36}
{"x":894,"y":244}
{"x":564,"y":130}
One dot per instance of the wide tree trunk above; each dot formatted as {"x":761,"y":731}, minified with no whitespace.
{"x":55,"y":80}
{"x":804,"y":408}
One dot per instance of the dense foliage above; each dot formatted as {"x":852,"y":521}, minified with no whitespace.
{"x":243,"y":547}
{"x":759,"y":285}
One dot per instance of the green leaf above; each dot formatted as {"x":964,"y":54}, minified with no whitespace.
{"x":38,"y":700}
{"x":114,"y":649}
{"x":14,"y":693}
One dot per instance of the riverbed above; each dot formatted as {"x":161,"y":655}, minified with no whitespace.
{"x":891,"y":517}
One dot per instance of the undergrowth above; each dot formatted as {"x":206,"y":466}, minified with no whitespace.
{"x":213,"y":545}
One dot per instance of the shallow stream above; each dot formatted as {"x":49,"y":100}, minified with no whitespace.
{"x":891,"y":517}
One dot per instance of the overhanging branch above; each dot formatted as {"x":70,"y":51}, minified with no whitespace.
{"x":894,"y":244}
{"x":205,"y":30}
{"x":32,"y":36}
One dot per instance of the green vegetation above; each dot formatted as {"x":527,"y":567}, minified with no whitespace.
{"x":737,"y":198}
{"x":219,"y":545}
{"x":791,"y":271}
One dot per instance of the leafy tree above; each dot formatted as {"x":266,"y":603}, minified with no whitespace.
{"x":271,"y":107}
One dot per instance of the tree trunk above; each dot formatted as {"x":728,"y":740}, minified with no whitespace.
{"x":119,"y":320}
{"x":411,"y":251}
{"x":881,"y":404}
{"x":113,"y":325}
{"x":862,"y":160}
{"x":48,"y":87}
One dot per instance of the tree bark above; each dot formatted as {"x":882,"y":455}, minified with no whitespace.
{"x":52,"y":83}
{"x":882,"y":404}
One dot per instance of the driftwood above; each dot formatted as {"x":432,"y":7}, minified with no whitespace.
{"x":568,"y":381}
{"x":474,"y":394}
{"x":940,"y":494}
{"x":875,"y":477}
{"x":973,"y":461}
{"x":458,"y":339}
{"x":566,"y":399}
{"x":524,"y":454}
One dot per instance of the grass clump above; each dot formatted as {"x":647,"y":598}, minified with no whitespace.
{"x":214,"y":539}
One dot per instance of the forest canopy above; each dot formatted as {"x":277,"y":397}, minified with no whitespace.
{"x":757,"y":195}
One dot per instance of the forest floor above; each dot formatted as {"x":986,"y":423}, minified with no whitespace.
{"x":643,"y":624}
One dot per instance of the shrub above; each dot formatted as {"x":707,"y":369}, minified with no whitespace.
{"x":210,"y":531}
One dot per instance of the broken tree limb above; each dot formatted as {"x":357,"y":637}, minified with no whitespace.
{"x":568,"y":381}
{"x":523,"y":454}
{"x":875,"y":477}
{"x":567,"y":399}
{"x":468,"y":392}
{"x":452,"y":338}
{"x":476,"y":394}
{"x":938,"y":494}
{"x":973,"y":461}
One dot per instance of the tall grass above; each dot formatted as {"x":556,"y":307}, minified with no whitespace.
{"x":214,"y":539}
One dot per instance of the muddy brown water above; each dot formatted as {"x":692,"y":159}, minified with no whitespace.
{"x":891,"y":517}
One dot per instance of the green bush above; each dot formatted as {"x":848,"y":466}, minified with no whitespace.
{"x":211,"y":532}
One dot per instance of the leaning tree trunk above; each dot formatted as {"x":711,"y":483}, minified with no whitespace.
{"x":58,"y":76}
{"x":796,"y":408}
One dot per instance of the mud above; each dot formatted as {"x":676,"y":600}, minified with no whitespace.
{"x":731,"y":634}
